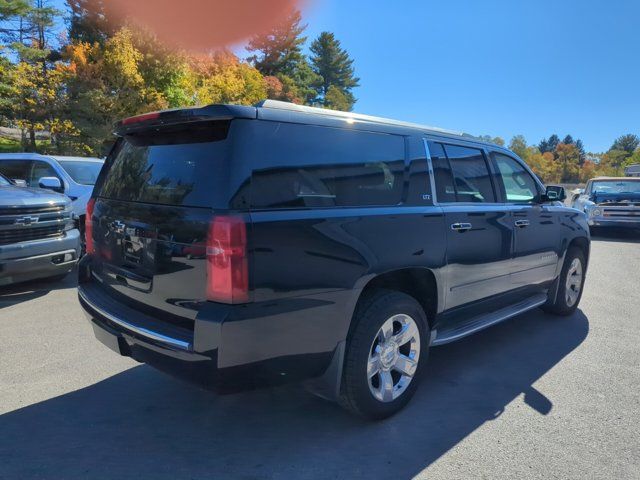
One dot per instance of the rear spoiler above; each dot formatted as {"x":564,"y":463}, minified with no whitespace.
{"x":183,"y":115}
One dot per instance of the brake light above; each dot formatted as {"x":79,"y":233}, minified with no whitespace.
{"x":227,"y":266}
{"x":88,"y":227}
{"x":141,"y":118}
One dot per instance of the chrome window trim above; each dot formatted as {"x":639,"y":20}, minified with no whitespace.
{"x":432,"y":180}
{"x":158,"y":337}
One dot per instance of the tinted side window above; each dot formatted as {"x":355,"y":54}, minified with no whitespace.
{"x":16,"y":169}
{"x":519,"y":186}
{"x":325,"y":167}
{"x":445,"y":189}
{"x":471,"y":176}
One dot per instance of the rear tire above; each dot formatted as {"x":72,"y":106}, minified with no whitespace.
{"x":571,"y":284}
{"x":386,"y":354}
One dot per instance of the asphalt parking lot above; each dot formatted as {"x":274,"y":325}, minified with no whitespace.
{"x":535,"y":397}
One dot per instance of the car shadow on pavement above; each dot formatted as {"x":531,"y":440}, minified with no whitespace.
{"x":22,"y":292}
{"x":142,"y":424}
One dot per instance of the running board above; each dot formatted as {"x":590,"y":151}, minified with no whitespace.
{"x":475,"y":324}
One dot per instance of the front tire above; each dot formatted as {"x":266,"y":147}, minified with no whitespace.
{"x":386,"y":354}
{"x":571,"y":283}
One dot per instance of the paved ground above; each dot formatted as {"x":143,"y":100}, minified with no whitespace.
{"x":536,"y":397}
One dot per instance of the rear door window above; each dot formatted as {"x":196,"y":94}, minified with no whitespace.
{"x":445,"y":188}
{"x":183,"y":165}
{"x":329,"y":167}
{"x":471,"y":176}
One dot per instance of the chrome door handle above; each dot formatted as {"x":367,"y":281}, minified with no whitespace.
{"x":461,"y":227}
{"x":522,"y":223}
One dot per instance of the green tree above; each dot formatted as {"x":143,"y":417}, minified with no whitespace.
{"x":550,"y":144}
{"x":568,"y":157}
{"x":334,"y":68}
{"x":490,"y":139}
{"x":581,"y":151}
{"x":27,"y":28}
{"x":278,"y":56}
{"x":279,"y":51}
{"x":627,"y":143}
{"x":6,"y":85}
{"x":518,"y":145}
{"x":89,"y":21}
{"x":14,"y":26}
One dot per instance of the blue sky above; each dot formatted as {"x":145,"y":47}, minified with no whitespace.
{"x":497,"y":67}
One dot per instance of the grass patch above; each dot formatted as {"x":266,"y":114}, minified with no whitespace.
{"x":8,"y":145}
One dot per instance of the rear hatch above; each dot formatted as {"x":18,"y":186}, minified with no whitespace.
{"x":155,"y":200}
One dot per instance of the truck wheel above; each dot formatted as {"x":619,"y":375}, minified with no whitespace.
{"x":571,"y":283}
{"x":386,"y":353}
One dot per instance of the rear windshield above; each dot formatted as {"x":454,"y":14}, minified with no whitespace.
{"x":84,"y":173}
{"x":171,"y":166}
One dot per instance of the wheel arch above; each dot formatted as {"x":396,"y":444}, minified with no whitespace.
{"x":418,"y":282}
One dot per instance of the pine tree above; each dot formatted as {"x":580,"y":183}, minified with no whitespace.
{"x":278,"y":56}
{"x":89,"y":21}
{"x":550,"y":144}
{"x":581,"y":151}
{"x":627,"y":143}
{"x":335,"y":69}
{"x":279,"y":51}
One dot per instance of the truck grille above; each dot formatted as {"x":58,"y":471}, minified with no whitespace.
{"x":27,"y":234}
{"x":622,"y":212}
{"x":24,"y":224}
{"x":31,"y":210}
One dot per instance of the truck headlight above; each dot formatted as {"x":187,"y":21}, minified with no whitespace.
{"x":591,"y":210}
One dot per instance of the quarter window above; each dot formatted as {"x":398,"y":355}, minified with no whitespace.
{"x":325,"y":167}
{"x":519,"y":186}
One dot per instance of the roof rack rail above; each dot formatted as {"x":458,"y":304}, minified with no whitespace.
{"x":277,"y":104}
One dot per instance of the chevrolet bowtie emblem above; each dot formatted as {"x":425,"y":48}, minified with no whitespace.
{"x":26,"y":220}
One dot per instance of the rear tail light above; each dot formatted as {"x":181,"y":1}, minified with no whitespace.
{"x":227,"y":266}
{"x":88,"y":227}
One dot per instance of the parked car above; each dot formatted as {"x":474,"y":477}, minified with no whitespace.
{"x":37,"y":234}
{"x":632,"y":171}
{"x":339,"y":247}
{"x":610,"y":202}
{"x":73,"y":176}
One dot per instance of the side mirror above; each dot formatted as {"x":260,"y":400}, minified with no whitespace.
{"x":579,"y":191}
{"x":50,"y":183}
{"x":555,"y":193}
{"x":18,"y":182}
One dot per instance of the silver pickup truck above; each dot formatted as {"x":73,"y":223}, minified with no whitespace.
{"x":38,"y":238}
{"x":610,"y":202}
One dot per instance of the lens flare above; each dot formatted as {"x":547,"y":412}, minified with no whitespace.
{"x":201,"y":25}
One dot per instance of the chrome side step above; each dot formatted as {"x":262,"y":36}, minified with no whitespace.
{"x":486,"y":320}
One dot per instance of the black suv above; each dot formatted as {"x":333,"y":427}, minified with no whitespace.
{"x":238,"y":245}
